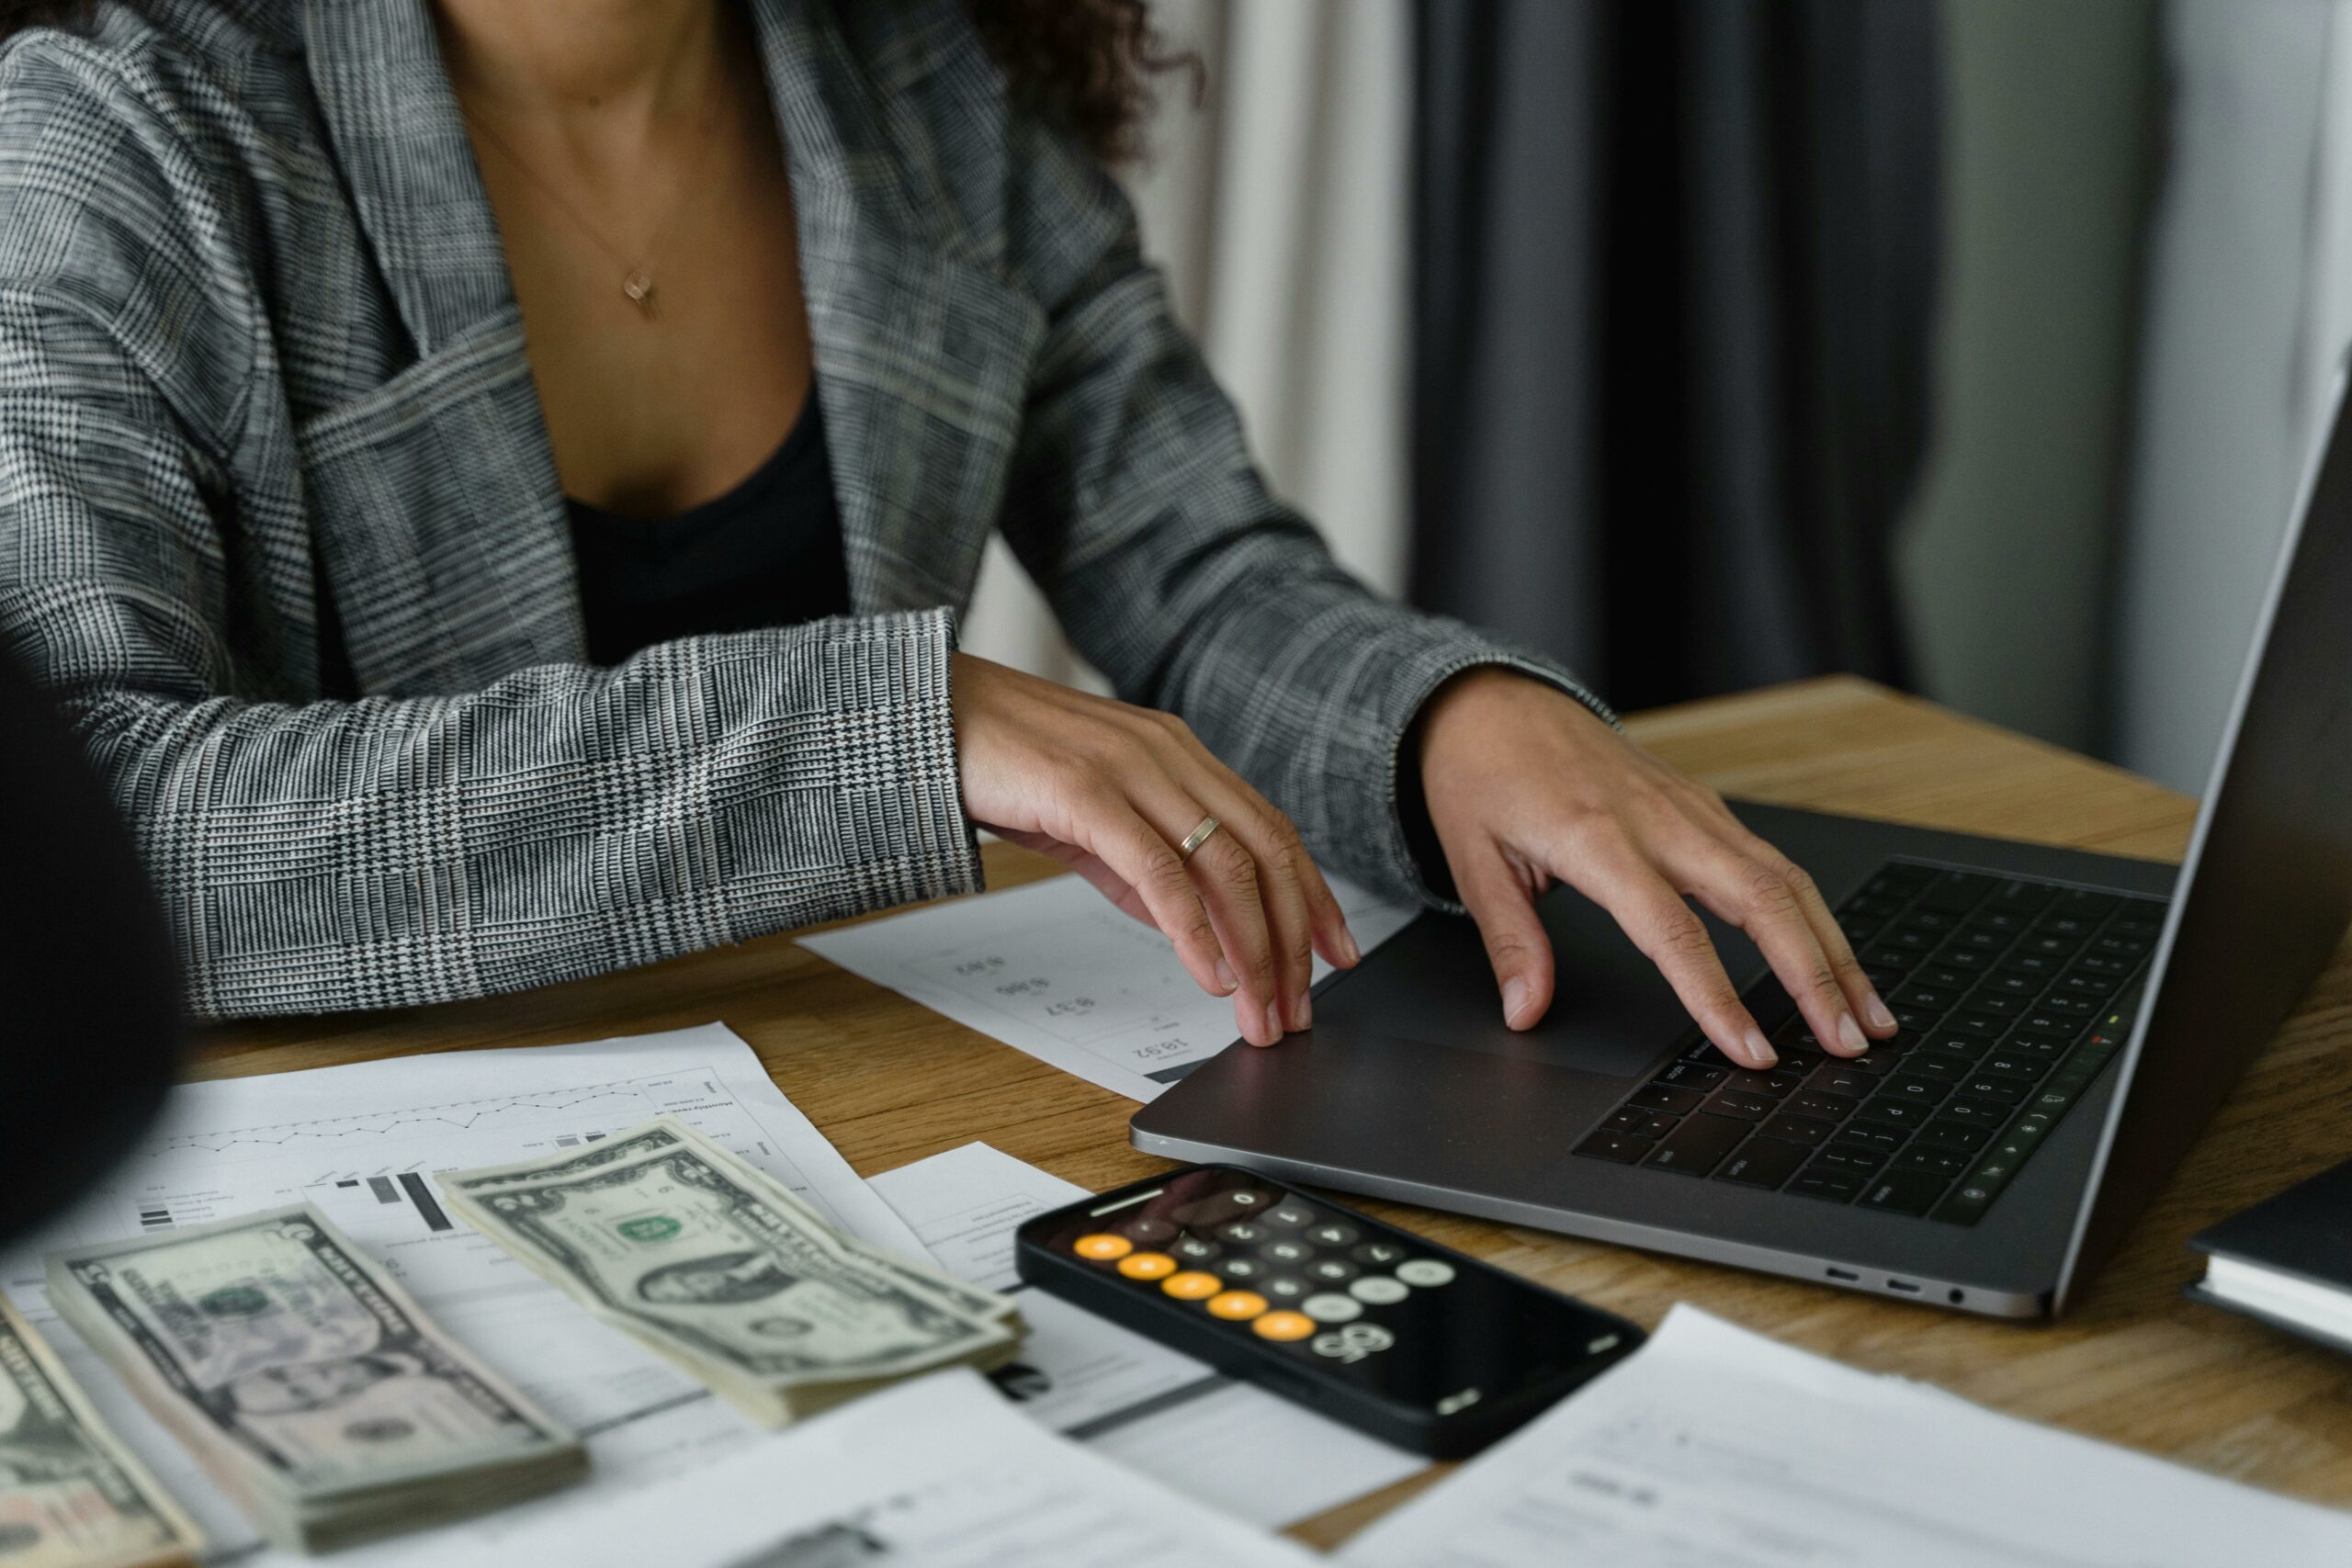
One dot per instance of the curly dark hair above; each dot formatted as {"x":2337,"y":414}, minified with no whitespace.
{"x":1086,"y":65}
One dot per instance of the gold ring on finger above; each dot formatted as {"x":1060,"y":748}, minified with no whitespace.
{"x":1196,"y":838}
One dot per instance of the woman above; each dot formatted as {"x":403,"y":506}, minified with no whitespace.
{"x":351,"y":350}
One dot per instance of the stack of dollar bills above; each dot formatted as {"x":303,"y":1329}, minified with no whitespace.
{"x":718,"y":1268}
{"x":310,"y":1386}
{"x":70,"y":1494}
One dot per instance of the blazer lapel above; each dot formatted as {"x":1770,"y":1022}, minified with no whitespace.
{"x":922,"y":354}
{"x":441,"y":517}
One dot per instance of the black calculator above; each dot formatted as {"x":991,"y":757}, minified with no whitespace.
{"x":1416,"y":1344}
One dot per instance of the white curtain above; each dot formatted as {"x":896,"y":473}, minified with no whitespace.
{"x":2249,"y":305}
{"x":1278,"y":208}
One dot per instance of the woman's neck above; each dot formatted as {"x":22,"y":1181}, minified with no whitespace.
{"x":644,"y":61}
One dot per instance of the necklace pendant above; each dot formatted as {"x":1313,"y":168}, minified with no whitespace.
{"x":638,"y":287}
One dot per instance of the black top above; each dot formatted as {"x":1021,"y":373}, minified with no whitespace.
{"x":768,"y":553}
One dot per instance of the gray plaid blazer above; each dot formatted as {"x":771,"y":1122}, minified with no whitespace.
{"x":259,"y":355}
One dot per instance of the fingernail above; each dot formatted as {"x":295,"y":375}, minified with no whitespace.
{"x":1760,"y":1049}
{"x":1225,"y":977}
{"x":1514,"y":1000}
{"x":1348,"y":947}
{"x":1253,"y":1022}
{"x":1851,"y":1035}
{"x":1880,"y":1017}
{"x":1302,"y":1012}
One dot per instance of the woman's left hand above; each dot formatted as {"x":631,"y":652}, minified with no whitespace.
{"x":1525,"y":784}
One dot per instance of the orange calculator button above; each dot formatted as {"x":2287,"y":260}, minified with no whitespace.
{"x":1284,"y":1325}
{"x":1192,"y":1285}
{"x":1101,"y":1248}
{"x":1147,"y":1266}
{"x":1237,"y":1306}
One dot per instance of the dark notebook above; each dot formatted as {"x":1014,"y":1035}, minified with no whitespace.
{"x":2287,"y":1261}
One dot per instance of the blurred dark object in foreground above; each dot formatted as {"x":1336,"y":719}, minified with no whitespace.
{"x":89,"y":1016}
{"x":1675,"y":274}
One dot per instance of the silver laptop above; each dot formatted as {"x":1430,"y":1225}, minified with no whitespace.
{"x":2071,"y":1021}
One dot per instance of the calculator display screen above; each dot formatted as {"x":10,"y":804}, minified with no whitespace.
{"x":1368,"y":1304}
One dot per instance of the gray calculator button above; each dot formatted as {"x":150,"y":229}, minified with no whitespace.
{"x":1287,"y":1288}
{"x":1149,"y":1229}
{"x":1240,"y":1268}
{"x":1378,"y":1290}
{"x":1242,"y":1232}
{"x":1379,"y":1254}
{"x":1426,"y":1272}
{"x":1332,"y":1268}
{"x":1331,"y":1307}
{"x":1288,"y":1251}
{"x":1290,"y":1214}
{"x":1195,"y":1249}
{"x":1246,"y":1199}
{"x":1332,"y":1233}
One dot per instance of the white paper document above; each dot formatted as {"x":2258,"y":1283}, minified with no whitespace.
{"x":361,"y":1141}
{"x":1153,"y":1409}
{"x":1054,"y":970}
{"x":934,"y":1473}
{"x":1715,"y":1448}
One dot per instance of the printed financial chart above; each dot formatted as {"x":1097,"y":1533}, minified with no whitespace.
{"x":1053,"y":969}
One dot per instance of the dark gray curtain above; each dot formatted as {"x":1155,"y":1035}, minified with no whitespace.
{"x":1674,"y":275}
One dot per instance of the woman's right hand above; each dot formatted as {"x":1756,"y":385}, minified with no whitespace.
{"x":1110,"y":790}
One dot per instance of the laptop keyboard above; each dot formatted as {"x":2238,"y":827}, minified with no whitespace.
{"x":2012,"y":995}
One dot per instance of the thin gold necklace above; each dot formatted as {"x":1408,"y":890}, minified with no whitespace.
{"x":637,"y":276}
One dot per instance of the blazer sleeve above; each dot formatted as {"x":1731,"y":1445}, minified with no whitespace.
{"x":323,"y":855}
{"x":1135,"y":506}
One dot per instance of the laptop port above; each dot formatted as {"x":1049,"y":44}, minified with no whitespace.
{"x":1905,"y":1286}
{"x":1845,"y":1274}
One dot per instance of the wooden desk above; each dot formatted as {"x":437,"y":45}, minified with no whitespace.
{"x":890,"y":1082}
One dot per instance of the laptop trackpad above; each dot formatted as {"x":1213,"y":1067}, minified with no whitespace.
{"x":1611,"y":1012}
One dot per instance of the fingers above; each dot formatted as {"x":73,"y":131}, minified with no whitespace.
{"x":1502,"y":902}
{"x":1234,"y":894}
{"x":1139,"y":856}
{"x":1762,"y":901}
{"x":1861,"y":997}
{"x":1620,"y":879}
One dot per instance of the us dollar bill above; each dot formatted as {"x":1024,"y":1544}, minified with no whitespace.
{"x":307,"y":1383}
{"x":721,"y":1270}
{"x":70,"y":1494}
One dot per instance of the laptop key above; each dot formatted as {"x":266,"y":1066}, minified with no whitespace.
{"x":1966,"y":958}
{"x":1747,"y":1107}
{"x":1852,"y":1157}
{"x":1836,"y":1183}
{"x":1639,"y":1122}
{"x":1690,"y":1074}
{"x":2021,"y":895}
{"x":2009,"y":983}
{"x":1806,"y":1130}
{"x":1955,"y":1135}
{"x":2007,"y":1063}
{"x":1925,"y":997}
{"x":1870,"y":1136}
{"x":1957,"y":891}
{"x":1913,"y":1089}
{"x":2118,"y":965}
{"x":1620,"y":1149}
{"x":1976,"y":1023}
{"x":1988,"y":999}
{"x":2000,"y":1091}
{"x":1814,"y":1103}
{"x":1774,"y":1084}
{"x":1894,"y":1111}
{"x":1664,"y":1097}
{"x":1954,"y":1047}
{"x":2073,"y":1007}
{"x":1943,"y":1162}
{"x":2042,"y":964}
{"x":1903,"y":1191}
{"x":1930,"y":1064}
{"x":1986,"y":1113}
{"x":1840,"y":1079}
{"x":1697,"y":1146}
{"x":1763,"y":1162}
{"x":2037,"y":1047}
{"x":1945,"y":976}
